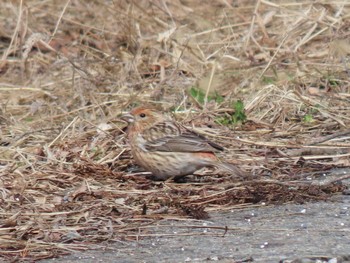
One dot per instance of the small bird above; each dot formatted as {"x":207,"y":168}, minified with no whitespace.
{"x":167,"y":149}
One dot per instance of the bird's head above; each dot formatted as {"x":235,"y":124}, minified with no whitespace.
{"x":142,"y":118}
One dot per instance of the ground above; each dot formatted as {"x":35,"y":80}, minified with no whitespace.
{"x":266,"y":80}
{"x":309,"y":232}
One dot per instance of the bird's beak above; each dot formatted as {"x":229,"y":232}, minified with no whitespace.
{"x":128,"y":118}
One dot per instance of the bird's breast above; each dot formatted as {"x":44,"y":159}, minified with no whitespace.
{"x":139,"y":142}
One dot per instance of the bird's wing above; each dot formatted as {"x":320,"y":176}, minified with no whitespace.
{"x":171,"y":137}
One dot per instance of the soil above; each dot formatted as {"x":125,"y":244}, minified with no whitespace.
{"x":266,"y":80}
{"x":311,"y":232}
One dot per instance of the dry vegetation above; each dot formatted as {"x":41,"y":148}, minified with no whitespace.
{"x":68,"y":70}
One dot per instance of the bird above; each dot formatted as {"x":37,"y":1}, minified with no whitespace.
{"x":168,"y":149}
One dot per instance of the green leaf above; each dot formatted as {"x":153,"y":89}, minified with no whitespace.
{"x":268,"y":80}
{"x":218,"y":98}
{"x":237,"y":117}
{"x":308,"y":118}
{"x":199,"y":96}
{"x":238,"y":106}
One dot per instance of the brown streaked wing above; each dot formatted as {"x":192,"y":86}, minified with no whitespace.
{"x":170,"y":138}
{"x":160,"y":130}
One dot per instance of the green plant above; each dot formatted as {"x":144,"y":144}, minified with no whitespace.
{"x":268,"y":80}
{"x":199,"y":96}
{"x":310,"y":112}
{"x":332,"y":81}
{"x":238,"y":115}
{"x":308,"y":118}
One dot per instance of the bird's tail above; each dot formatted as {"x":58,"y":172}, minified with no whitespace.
{"x":230,"y":168}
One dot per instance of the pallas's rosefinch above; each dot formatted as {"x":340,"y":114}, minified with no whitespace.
{"x":167,"y":149}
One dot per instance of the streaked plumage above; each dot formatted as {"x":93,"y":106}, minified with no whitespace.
{"x":167,"y":149}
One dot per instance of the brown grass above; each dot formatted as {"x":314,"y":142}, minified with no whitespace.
{"x":68,"y":70}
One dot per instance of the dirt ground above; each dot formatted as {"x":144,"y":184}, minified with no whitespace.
{"x":312,"y":232}
{"x":266,"y":80}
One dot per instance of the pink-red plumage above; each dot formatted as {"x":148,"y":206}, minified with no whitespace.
{"x":166,"y":148}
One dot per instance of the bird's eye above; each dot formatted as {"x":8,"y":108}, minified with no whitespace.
{"x":142,"y":115}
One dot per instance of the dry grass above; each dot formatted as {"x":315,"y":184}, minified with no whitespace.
{"x":68,"y":70}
